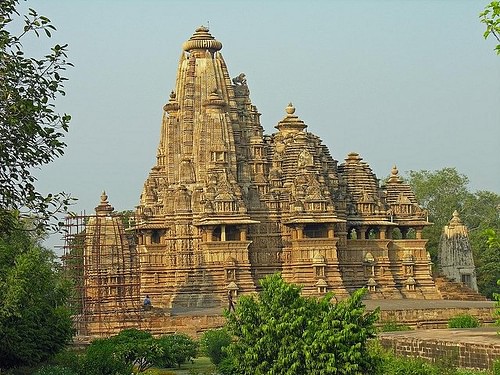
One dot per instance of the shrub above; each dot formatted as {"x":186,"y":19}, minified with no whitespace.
{"x":393,"y":326}
{"x":463,"y":321}
{"x":101,"y":359}
{"x":176,"y":349}
{"x":213,"y":342}
{"x":55,"y":370}
{"x":393,"y":365}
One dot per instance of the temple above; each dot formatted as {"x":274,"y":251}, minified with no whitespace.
{"x":455,"y":253}
{"x":226,"y":204}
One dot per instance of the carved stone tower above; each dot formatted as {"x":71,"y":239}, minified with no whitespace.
{"x":226,"y":205}
{"x":455,"y":253}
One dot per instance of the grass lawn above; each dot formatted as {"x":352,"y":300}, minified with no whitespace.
{"x":201,"y":365}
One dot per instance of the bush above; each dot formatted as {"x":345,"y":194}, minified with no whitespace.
{"x":463,"y":321}
{"x":393,"y":365}
{"x":55,"y":370}
{"x":101,"y":359}
{"x":393,"y":326}
{"x":176,"y":349}
{"x":213,"y":342}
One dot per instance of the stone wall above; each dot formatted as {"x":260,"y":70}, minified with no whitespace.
{"x":435,"y":318}
{"x":466,"y":348}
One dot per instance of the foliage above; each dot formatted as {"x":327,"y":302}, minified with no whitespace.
{"x":281,"y":332}
{"x":443,"y":191}
{"x":131,"y":348}
{"x":177,"y":349}
{"x":394,"y":365}
{"x":488,"y":263}
{"x":101,"y":359}
{"x":34,"y":322}
{"x":137,"y":348}
{"x":31,"y":131}
{"x":213,"y":342}
{"x":55,"y":370}
{"x":497,"y":305}
{"x":491,"y":18}
{"x":463,"y":321}
{"x":393,"y":326}
{"x":440,"y":193}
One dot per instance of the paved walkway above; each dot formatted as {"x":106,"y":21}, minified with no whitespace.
{"x":395,"y":304}
{"x":480,"y":336}
{"x":412,"y":304}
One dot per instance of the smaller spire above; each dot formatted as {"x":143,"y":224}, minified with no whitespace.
{"x":455,"y":226}
{"x":104,"y":208}
{"x":291,"y":122}
{"x":202,"y":40}
{"x":394,"y":175}
{"x":173,"y":104}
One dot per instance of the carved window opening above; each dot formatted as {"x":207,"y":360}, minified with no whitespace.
{"x":353,"y":235}
{"x":226,"y":233}
{"x":396,"y":234}
{"x":372,"y":234}
{"x":315,"y":231}
{"x":411,"y":234}
{"x":320,"y":271}
{"x":322,"y":289}
{"x":408,"y":269}
{"x":218,"y":156}
{"x":369,"y":270}
{"x":371,"y":285}
{"x":232,"y":233}
{"x":156,"y":236}
{"x":217,"y":234}
{"x":467,"y":279}
{"x":231,"y":274}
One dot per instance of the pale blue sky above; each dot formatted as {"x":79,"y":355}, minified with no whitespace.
{"x":411,"y":83}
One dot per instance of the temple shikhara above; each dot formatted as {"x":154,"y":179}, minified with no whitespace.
{"x":226,"y":204}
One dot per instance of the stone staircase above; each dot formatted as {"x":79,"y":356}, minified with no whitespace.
{"x":452,"y":290}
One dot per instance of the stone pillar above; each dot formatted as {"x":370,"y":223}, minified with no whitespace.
{"x":418,"y":233}
{"x":331,"y":232}
{"x":382,"y":233}
{"x":243,"y":233}
{"x":209,"y":233}
{"x":362,"y":233}
{"x":300,"y":232}
{"x":222,"y":232}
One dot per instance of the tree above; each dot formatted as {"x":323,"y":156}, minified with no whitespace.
{"x":491,"y":18}
{"x":31,"y":131}
{"x":281,"y":332}
{"x":488,"y":264}
{"x":443,"y":191}
{"x":100,"y":358}
{"x":120,"y":354}
{"x":440,"y":193}
{"x":177,"y":349}
{"x":137,"y":348}
{"x":34,"y":322}
{"x":213,"y":342}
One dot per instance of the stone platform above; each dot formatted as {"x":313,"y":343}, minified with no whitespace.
{"x":430,"y":313}
{"x":475,"y":348}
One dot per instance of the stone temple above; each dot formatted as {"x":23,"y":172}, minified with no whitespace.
{"x":227,"y":204}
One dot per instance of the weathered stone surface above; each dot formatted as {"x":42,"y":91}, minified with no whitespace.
{"x":476,"y":348}
{"x":226,"y":205}
{"x":455,"y":253}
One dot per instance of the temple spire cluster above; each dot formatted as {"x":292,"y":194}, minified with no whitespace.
{"x":226,"y":204}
